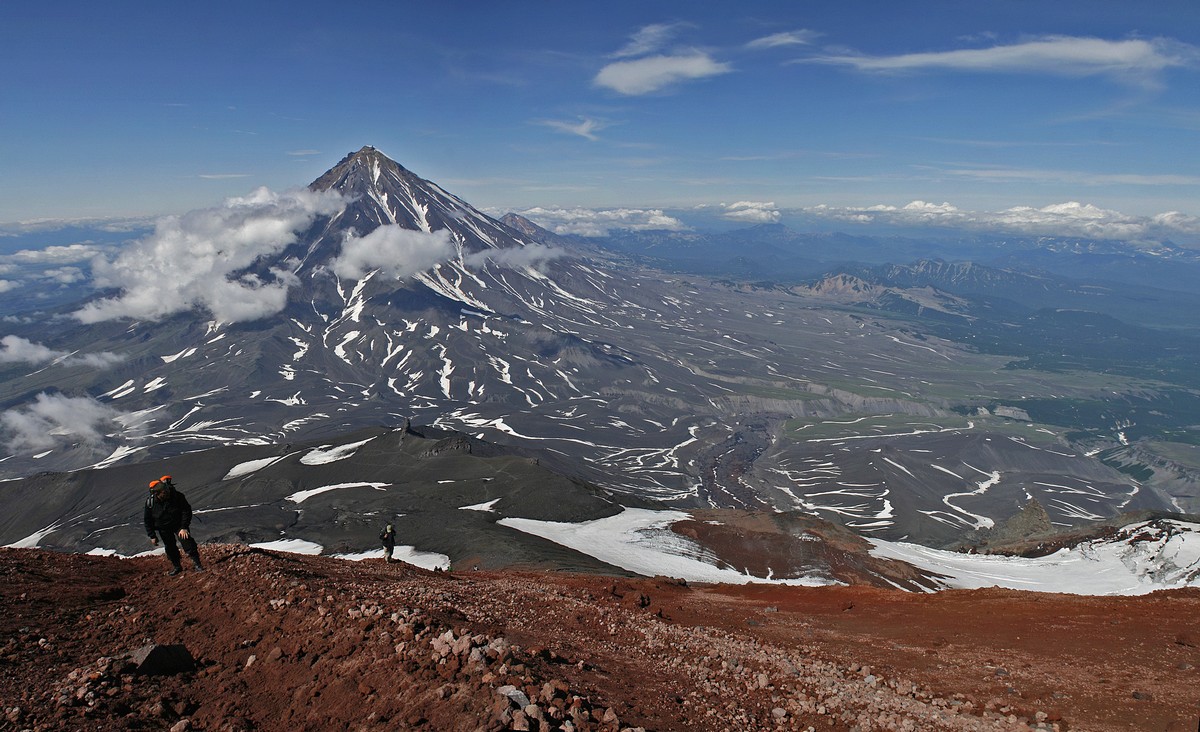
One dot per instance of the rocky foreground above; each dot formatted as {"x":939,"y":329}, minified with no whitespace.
{"x":274,"y":641}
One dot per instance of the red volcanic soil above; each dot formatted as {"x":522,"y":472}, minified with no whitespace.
{"x":289,"y":642}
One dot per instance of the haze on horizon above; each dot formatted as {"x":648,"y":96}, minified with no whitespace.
{"x":1070,"y":117}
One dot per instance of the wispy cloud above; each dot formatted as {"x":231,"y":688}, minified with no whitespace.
{"x":222,"y":176}
{"x":105,"y":224}
{"x":1071,"y":177}
{"x":789,"y":38}
{"x":586,"y":127}
{"x":14,"y":349}
{"x":200,"y":253}
{"x":302,"y":153}
{"x":793,"y":154}
{"x":598,"y":222}
{"x":1133,"y":60}
{"x":654,"y":73}
{"x":648,"y":39}
{"x":1017,"y":143}
{"x":645,"y":66}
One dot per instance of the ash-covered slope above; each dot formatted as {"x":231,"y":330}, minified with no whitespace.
{"x":444,"y":492}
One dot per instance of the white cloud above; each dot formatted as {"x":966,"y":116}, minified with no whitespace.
{"x":395,"y":251}
{"x":222,"y":176}
{"x":55,"y":254}
{"x":586,"y":127}
{"x":302,"y":153}
{"x":65,"y":275}
{"x":188,"y":261}
{"x":1061,"y":219}
{"x":6,"y":285}
{"x":790,"y":38}
{"x":752,"y":212}
{"x":53,"y":420}
{"x":530,"y":255}
{"x":1178,"y":221}
{"x":101,"y":360}
{"x":14,"y":349}
{"x":653,"y":73}
{"x":1128,"y":60}
{"x":598,"y":222}
{"x":1075,"y":218}
{"x":648,"y":39}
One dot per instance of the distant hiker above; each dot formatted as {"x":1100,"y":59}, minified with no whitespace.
{"x":388,"y":537}
{"x":169,"y":515}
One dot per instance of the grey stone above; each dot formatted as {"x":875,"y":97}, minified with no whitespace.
{"x":515,"y":695}
{"x":163,"y":660}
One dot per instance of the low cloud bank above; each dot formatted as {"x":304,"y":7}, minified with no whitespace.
{"x":14,"y":349}
{"x":54,"y":420}
{"x":1061,"y":219}
{"x":598,"y":222}
{"x":55,"y":255}
{"x":188,"y":261}
{"x":60,"y":265}
{"x":753,"y":212}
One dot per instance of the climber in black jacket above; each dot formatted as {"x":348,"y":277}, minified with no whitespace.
{"x":170,"y":515}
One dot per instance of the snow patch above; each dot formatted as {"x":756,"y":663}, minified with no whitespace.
{"x":329,"y":454}
{"x":249,"y":467}
{"x":1140,"y":559}
{"x":640,"y":540}
{"x":182,"y":354}
{"x":301,"y":496}
{"x":31,"y":541}
{"x":409,"y":554}
{"x":486,"y":506}
{"x":291,"y":546}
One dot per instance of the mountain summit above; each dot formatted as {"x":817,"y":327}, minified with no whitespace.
{"x":381,"y":192}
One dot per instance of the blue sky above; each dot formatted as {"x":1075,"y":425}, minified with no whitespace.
{"x":124,"y":109}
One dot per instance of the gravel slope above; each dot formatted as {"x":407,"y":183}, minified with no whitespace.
{"x":289,"y":642}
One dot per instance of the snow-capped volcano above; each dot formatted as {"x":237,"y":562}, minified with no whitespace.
{"x":381,"y":193}
{"x":403,"y":301}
